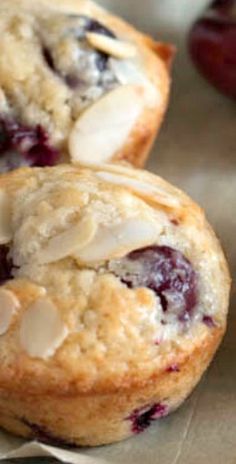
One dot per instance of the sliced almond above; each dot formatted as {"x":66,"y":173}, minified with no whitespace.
{"x":113,"y":47}
{"x":64,"y":244}
{"x":42,"y":330}
{"x":117,"y":241}
{"x":9,"y":303}
{"x":143,"y":189}
{"x":130,"y":72}
{"x":3,"y":102}
{"x":5,"y":218}
{"x":104,"y":127}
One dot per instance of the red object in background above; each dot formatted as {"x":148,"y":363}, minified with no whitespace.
{"x":212,"y":45}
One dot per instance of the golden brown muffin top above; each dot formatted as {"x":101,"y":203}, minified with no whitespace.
{"x":108,"y":275}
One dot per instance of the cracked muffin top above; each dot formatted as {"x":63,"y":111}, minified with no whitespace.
{"x":107,"y":275}
{"x":58,"y":62}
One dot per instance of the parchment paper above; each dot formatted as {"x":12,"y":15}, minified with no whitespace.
{"x":197,"y":151}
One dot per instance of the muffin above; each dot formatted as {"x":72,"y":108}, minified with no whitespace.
{"x":77,"y":85}
{"x":113,"y":301}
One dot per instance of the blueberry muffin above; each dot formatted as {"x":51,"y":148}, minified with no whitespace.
{"x":113,"y":301}
{"x":77,"y":84}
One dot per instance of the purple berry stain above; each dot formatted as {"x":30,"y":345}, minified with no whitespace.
{"x":142,"y":418}
{"x":31,"y":143}
{"x":209,"y":321}
{"x":157,"y":342}
{"x":167,"y":272}
{"x":173,"y":368}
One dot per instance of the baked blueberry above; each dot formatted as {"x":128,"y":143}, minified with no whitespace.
{"x":168,"y":273}
{"x":142,"y":418}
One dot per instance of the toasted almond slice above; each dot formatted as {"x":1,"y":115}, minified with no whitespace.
{"x":42,"y":330}
{"x":9,"y":303}
{"x":117,"y":241}
{"x":67,"y":242}
{"x":104,"y":127}
{"x":143,"y":189}
{"x":3,"y":101}
{"x":130,"y":72}
{"x":113,"y":47}
{"x":5,"y":218}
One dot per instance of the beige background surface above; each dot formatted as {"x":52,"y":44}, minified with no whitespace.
{"x":197,"y":151}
